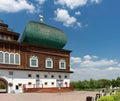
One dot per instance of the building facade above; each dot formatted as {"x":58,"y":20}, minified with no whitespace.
{"x":36,"y":59}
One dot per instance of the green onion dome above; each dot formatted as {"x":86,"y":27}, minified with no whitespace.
{"x":39,"y":33}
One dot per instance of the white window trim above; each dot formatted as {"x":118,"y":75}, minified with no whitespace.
{"x":3,"y":57}
{"x":62,"y":61}
{"x":9,"y":58}
{"x":19,"y":59}
{"x":31,"y":61}
{"x":49,"y":59}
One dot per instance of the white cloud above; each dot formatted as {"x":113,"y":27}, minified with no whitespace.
{"x":87,"y":57}
{"x":90,"y":63}
{"x":41,"y":1}
{"x":75,"y":60}
{"x":93,"y":67}
{"x":77,"y":13}
{"x":113,"y":68}
{"x":63,"y":16}
{"x":16,"y":6}
{"x":72,"y":4}
{"x":95,"y":73}
{"x":79,"y":24}
{"x":96,"y":1}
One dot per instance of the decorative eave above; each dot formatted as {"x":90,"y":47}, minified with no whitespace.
{"x":14,"y":34}
{"x":3,"y":25}
{"x":33,"y":70}
{"x":8,"y":31}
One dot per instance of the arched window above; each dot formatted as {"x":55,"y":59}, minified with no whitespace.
{"x":49,"y":63}
{"x":33,"y":61}
{"x":1,"y":56}
{"x":62,"y":64}
{"x":12,"y":58}
{"x":6,"y":58}
{"x":17,"y":59}
{"x":9,"y":58}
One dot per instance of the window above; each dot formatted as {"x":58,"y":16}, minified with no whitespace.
{"x":49,"y":63}
{"x":33,"y":61}
{"x":37,"y":75}
{"x":52,"y":83}
{"x":11,"y":58}
{"x":1,"y":57}
{"x":59,"y":76}
{"x":65,"y":76}
{"x":29,"y":83}
{"x":17,"y":59}
{"x":10,"y":73}
{"x":45,"y":76}
{"x":17,"y":87}
{"x":5,"y":37}
{"x":62,"y":64}
{"x":9,"y":38}
{"x":52,"y":76}
{"x":20,"y":84}
{"x":46,"y":83}
{"x":6,"y":58}
{"x":29,"y":75}
{"x":66,"y":84}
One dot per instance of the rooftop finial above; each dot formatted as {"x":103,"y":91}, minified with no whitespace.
{"x":41,"y":18}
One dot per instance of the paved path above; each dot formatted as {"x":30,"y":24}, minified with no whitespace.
{"x":71,"y":96}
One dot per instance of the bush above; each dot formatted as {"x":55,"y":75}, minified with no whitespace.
{"x":115,"y":97}
{"x":2,"y":86}
{"x":106,"y":98}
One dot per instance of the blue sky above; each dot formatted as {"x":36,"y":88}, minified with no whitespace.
{"x":92,"y":28}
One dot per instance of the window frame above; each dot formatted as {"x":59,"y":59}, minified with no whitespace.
{"x":46,"y":63}
{"x":18,"y":59}
{"x":7,"y":58}
{"x":33,"y":58}
{"x":60,"y":64}
{"x":11,"y":59}
{"x":2,"y":57}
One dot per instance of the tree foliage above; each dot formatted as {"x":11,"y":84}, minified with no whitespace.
{"x":95,"y":84}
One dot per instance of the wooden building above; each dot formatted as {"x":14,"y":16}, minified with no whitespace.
{"x":33,"y":60}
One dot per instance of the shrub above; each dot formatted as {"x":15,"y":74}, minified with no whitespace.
{"x":106,"y":98}
{"x":2,"y":86}
{"x":115,"y":97}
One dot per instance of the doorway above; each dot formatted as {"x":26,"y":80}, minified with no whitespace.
{"x":3,"y":86}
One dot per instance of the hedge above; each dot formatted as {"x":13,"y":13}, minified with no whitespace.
{"x":115,"y":97}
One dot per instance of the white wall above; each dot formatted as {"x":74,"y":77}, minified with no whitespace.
{"x":21,"y":77}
